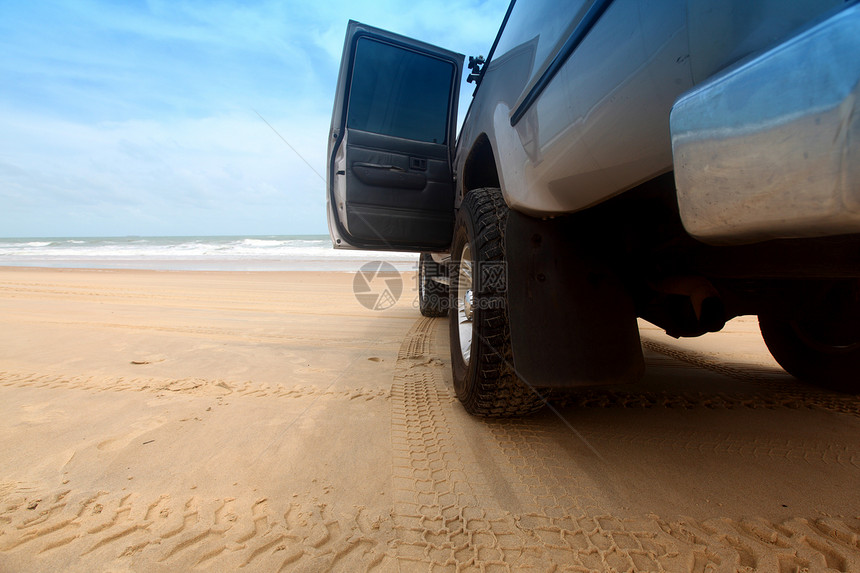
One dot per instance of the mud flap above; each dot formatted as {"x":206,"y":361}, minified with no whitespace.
{"x":572,"y":322}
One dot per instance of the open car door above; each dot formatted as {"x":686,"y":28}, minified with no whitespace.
{"x":390,"y":149}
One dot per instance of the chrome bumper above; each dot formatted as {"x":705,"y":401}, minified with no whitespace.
{"x":771,"y":148}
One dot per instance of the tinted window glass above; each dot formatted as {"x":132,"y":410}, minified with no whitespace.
{"x":399,"y":92}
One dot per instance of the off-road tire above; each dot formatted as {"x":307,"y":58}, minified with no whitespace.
{"x":487,"y":386}
{"x":432,"y":295}
{"x":835,"y":367}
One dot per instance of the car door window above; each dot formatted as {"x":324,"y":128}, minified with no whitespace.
{"x":399,"y":92}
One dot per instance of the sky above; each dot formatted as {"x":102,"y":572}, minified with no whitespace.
{"x":141,"y":117}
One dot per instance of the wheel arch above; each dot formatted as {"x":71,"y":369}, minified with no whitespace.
{"x":479,"y":168}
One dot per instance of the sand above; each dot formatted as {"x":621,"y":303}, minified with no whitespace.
{"x":179,"y":421}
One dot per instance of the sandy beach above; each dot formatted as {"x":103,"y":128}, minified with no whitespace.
{"x":267,"y":421}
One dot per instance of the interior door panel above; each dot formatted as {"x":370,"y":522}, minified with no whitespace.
{"x":389,"y":199}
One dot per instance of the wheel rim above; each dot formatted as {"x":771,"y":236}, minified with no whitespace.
{"x":422,"y":288}
{"x":464,"y":303}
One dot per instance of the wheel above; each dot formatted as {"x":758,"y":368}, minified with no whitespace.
{"x":432,"y":295}
{"x":481,"y":359}
{"x":822,"y":347}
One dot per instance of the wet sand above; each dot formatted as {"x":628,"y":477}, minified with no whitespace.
{"x":177,"y":421}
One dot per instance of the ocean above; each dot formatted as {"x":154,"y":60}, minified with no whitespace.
{"x":237,"y":253}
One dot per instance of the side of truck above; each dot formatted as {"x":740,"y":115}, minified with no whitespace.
{"x":682,"y":161}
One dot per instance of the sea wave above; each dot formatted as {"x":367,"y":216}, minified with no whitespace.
{"x":267,"y":243}
{"x":271,"y":252}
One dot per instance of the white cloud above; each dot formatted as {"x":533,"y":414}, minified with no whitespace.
{"x":206,"y":169}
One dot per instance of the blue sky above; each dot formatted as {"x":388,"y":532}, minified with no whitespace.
{"x":140,"y":117}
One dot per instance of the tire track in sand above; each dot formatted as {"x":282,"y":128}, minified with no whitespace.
{"x":194,"y":386}
{"x":447,"y":518}
{"x":170,"y":533}
{"x":447,"y":514}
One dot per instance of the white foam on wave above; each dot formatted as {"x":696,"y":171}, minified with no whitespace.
{"x":264,"y":253}
{"x":268,"y":243}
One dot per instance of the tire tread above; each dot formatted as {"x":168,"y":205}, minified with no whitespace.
{"x":436,"y":304}
{"x":497,"y":391}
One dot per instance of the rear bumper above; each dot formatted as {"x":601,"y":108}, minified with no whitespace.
{"x":771,"y":148}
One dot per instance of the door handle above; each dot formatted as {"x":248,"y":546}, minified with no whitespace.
{"x":378,"y":166}
{"x":391,"y":176}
